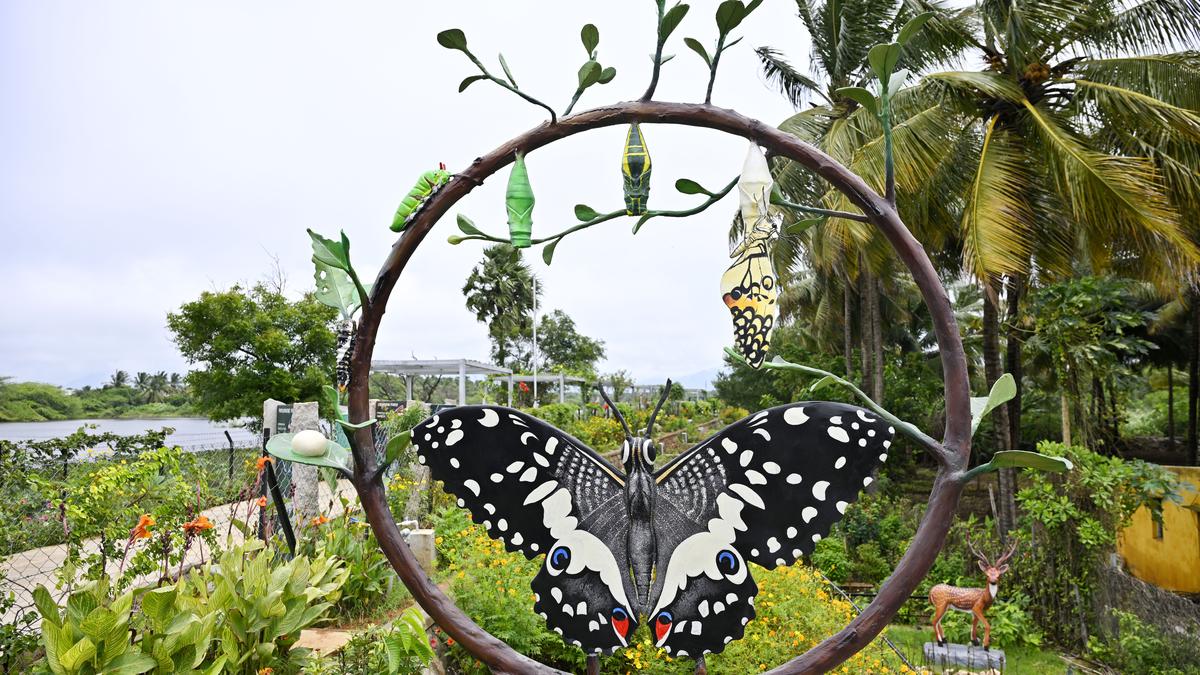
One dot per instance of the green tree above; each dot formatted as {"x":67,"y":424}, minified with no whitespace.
{"x":119,"y":379}
{"x":616,"y":383}
{"x":499,"y":291}
{"x":252,"y":345}
{"x":561,"y":347}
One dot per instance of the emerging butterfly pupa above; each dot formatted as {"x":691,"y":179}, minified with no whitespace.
{"x":519,"y":202}
{"x":635,"y":171}
{"x":749,"y":287}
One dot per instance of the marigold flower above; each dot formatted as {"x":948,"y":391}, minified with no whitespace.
{"x":318,"y":521}
{"x":265,"y":671}
{"x":142,"y":529}
{"x":261,"y":462}
{"x":199,"y":524}
{"x":262,"y":502}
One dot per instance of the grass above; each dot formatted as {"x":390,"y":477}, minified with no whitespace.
{"x":911,"y":640}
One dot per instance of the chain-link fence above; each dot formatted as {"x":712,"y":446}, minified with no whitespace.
{"x":34,"y":531}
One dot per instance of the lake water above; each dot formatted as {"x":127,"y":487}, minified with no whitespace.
{"x":190,"y":432}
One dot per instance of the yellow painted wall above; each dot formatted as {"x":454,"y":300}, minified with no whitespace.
{"x":1172,"y":562}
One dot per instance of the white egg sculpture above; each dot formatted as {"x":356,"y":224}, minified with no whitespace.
{"x":309,"y":443}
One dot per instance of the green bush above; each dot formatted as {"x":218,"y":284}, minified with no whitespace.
{"x":370,"y":580}
{"x":1141,"y":648}
{"x":398,"y":648}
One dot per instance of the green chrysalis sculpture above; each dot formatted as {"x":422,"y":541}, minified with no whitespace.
{"x":427,"y":184}
{"x":635,"y":169}
{"x":519,"y":202}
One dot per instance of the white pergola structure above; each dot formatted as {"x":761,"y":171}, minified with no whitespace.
{"x":460,"y":367}
{"x":558,"y":378}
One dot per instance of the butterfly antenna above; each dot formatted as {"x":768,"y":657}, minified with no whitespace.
{"x":615,"y":410}
{"x":661,"y":400}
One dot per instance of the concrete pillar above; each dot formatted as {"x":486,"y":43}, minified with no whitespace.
{"x":510,"y":385}
{"x":462,"y":382}
{"x":305,"y":502}
{"x":562,"y":389}
{"x":408,"y":387}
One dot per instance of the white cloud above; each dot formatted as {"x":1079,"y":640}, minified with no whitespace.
{"x":157,"y":150}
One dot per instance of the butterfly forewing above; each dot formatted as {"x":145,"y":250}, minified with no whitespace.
{"x":763,"y":490}
{"x":542,"y":492}
{"x":795,"y":468}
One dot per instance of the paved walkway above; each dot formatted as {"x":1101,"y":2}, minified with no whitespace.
{"x":25,"y":571}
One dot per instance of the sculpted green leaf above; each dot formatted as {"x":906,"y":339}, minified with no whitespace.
{"x":913,"y":27}
{"x":862,"y":97}
{"x":584,"y":213}
{"x":590,"y":35}
{"x":335,"y":289}
{"x":690,"y":187}
{"x":467,"y":227}
{"x":336,"y":457}
{"x":589,"y":74}
{"x":462,"y":86}
{"x":1003,"y":391}
{"x":671,"y":20}
{"x":453,"y":38}
{"x":507,"y":73}
{"x":695,"y":46}
{"x":548,"y":251}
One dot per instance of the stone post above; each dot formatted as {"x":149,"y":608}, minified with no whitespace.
{"x":305,"y":504}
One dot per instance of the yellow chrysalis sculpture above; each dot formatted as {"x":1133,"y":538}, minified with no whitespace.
{"x":635,"y":171}
{"x":749,"y":287}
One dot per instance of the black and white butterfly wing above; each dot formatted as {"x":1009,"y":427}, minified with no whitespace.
{"x":763,"y":490}
{"x":541,"y":492}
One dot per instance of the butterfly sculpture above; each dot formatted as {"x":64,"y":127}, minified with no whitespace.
{"x":670,"y":546}
{"x":750,"y":287}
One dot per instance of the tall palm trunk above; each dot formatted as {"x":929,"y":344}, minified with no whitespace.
{"x":848,"y":330}
{"x":877,"y":339}
{"x":865,"y":332}
{"x":993,"y":369}
{"x":1171,"y":408}
{"x":1016,"y":289}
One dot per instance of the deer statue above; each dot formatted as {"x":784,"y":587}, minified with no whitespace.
{"x":973,"y":600}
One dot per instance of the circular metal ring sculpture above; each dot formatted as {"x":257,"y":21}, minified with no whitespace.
{"x":952,"y":453}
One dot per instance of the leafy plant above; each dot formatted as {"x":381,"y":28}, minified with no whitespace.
{"x":369,"y":577}
{"x":91,"y":635}
{"x":398,"y":647}
{"x":262,"y":606}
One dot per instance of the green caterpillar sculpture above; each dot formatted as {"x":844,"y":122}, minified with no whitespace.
{"x":427,"y":184}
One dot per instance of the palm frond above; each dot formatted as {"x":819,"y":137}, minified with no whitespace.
{"x":968,"y":85}
{"x":1143,"y":27}
{"x":1126,"y":107}
{"x":1114,"y":198}
{"x":945,"y":37}
{"x":795,"y":86}
{"x":997,"y":223}
{"x":1172,"y":78}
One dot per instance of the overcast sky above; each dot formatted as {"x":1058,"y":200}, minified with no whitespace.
{"x":153,"y":150}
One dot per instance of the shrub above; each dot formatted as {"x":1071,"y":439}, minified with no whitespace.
{"x":1141,"y":648}
{"x":401,"y":647}
{"x":370,"y":578}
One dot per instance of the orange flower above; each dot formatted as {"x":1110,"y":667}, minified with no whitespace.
{"x":318,"y":521}
{"x":265,"y":671}
{"x":262,"y":502}
{"x":142,"y":529}
{"x":261,"y":462}
{"x":200,"y":524}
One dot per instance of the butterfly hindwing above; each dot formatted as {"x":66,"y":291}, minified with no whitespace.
{"x":541,"y":492}
{"x":794,"y":468}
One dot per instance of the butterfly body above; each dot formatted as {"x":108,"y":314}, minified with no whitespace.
{"x":670,"y":546}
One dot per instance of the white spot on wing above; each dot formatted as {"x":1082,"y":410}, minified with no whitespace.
{"x":819,"y":489}
{"x":750,"y":496}
{"x":539,"y":493}
{"x":551,"y":445}
{"x":771,"y":467}
{"x":471,"y":485}
{"x":773,"y":544}
{"x":808,"y":513}
{"x":455,"y":436}
{"x":529,"y":475}
{"x":794,"y":478}
{"x":745,"y":457}
{"x":841,"y":461}
{"x":526,"y":436}
{"x":755,"y":477}
{"x":795,"y":415}
{"x":514,"y":467}
{"x":764,"y":433}
{"x":839,"y":434}
{"x":490,"y":418}
{"x":729,"y":445}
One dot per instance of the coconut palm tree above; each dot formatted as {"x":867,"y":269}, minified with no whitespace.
{"x":1076,"y":142}
{"x":119,"y":379}
{"x":853,"y":260}
{"x":499,"y":291}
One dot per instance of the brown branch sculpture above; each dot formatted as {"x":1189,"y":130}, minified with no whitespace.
{"x":952,"y":453}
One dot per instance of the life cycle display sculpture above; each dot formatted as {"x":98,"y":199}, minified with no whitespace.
{"x":667,"y":546}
